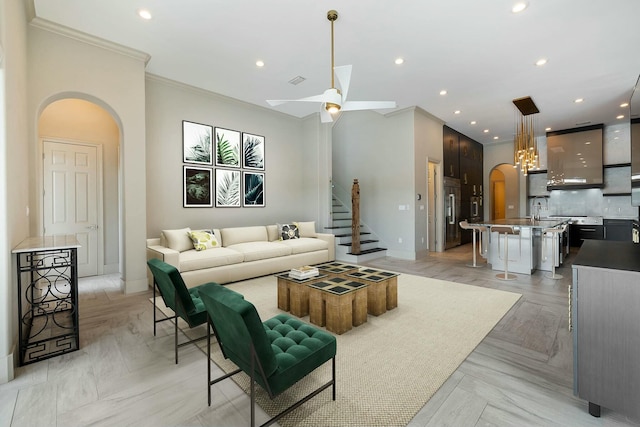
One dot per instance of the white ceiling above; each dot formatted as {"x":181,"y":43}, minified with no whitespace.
{"x":479,"y":51}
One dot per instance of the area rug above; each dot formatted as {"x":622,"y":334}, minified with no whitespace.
{"x":389,"y":367}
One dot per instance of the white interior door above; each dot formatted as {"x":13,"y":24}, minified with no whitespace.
{"x":71,"y":198}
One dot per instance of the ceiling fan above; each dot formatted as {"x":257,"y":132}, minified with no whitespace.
{"x":333,"y":100}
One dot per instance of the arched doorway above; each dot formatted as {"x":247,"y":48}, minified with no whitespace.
{"x":80,"y":141}
{"x":504,"y":186}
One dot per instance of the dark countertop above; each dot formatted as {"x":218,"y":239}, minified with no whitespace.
{"x":609,"y":254}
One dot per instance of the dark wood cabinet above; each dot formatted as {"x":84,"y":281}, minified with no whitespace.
{"x":451,"y":158}
{"x":463,"y":159}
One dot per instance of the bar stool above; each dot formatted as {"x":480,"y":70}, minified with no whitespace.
{"x":475,"y":229}
{"x":554,"y":232}
{"x":505,"y":230}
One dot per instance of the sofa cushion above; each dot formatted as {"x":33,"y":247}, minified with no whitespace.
{"x":272,"y":232}
{"x":306,"y":229}
{"x":305,"y":244}
{"x":178,"y":240}
{"x":235,"y":235}
{"x":288,"y":231}
{"x":197,"y":260}
{"x":203,"y":240}
{"x":254,"y":251}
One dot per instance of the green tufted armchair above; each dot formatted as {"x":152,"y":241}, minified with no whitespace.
{"x":184,"y":302}
{"x":276,"y":354}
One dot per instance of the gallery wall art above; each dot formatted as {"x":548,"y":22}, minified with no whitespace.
{"x":253,"y":189}
{"x":252,"y":151}
{"x":196,"y":143}
{"x":197,"y":187}
{"x":238,"y":177}
{"x":227,"y":188}
{"x":227,"y":148}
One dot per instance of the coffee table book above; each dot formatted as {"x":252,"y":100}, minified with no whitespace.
{"x":303,"y":272}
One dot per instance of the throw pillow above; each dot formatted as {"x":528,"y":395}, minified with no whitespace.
{"x":178,"y":240}
{"x":203,"y":240}
{"x":288,"y":231}
{"x":307,"y":229}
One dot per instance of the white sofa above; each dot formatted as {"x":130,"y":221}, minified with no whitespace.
{"x":241,"y":253}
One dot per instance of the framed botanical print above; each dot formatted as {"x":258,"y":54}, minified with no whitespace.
{"x":227,"y":147}
{"x":227,"y":188}
{"x":197,"y":187}
{"x":253,"y":189}
{"x":196,"y":143}
{"x":252,"y":151}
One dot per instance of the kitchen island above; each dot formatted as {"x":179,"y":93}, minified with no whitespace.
{"x":606,"y":326}
{"x":525,"y":248}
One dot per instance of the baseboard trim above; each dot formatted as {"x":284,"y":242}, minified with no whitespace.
{"x":401,"y":254}
{"x":111,"y":269}
{"x":7,"y":364}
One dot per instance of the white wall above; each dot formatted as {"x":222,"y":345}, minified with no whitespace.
{"x":14,"y":171}
{"x":292,"y":159}
{"x":63,"y":65}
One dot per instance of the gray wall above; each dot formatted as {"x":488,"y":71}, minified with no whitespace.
{"x":388,"y":155}
{"x":292,"y":159}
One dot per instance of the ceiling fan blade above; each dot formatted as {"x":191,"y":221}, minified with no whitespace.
{"x":343,"y":74}
{"x":315,"y":98}
{"x":367,"y":105}
{"x":325,"y":116}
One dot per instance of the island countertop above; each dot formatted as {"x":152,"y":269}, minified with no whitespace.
{"x":523,"y":222}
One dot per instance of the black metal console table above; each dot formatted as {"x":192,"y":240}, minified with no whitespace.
{"x":47,"y":297}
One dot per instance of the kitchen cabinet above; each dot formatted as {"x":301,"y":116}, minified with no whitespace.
{"x":463,"y":159}
{"x":618,"y":230}
{"x":605,"y":318}
{"x":580,"y":232}
{"x":451,"y":153}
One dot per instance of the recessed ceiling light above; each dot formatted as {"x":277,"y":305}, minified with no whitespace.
{"x":443,"y":92}
{"x":486,"y":131}
{"x":620,"y":117}
{"x":579,"y":154}
{"x":623,"y":105}
{"x":541,"y":62}
{"x":547,"y":129}
{"x":519,"y":7}
{"x":144,"y":14}
{"x":616,"y":131}
{"x":473,"y":122}
{"x":456,"y":112}
{"x":495,"y":137}
{"x":259,"y":63}
{"x":579,"y":100}
{"x":399,"y":61}
{"x":587,"y":143}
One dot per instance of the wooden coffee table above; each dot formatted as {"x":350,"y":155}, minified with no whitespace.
{"x":336,"y":268}
{"x":293,"y":294}
{"x":382,"y":292}
{"x":338,"y":304}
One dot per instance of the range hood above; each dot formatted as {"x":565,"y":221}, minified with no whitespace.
{"x":574,"y":158}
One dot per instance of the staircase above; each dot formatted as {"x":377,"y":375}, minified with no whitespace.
{"x":341,"y":228}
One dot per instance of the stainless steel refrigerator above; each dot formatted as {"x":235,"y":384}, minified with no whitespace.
{"x":451,"y":212}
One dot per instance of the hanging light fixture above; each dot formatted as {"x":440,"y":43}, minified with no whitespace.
{"x":525,"y":150}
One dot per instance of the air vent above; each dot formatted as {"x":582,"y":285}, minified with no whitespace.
{"x":584,"y":123}
{"x":297,"y":80}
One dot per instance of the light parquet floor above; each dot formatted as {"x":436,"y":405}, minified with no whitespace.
{"x":520,"y":375}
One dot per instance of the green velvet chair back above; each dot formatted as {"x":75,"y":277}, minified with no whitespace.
{"x":237,"y":326}
{"x":170,"y":283}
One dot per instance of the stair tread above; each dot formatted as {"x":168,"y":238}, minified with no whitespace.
{"x":362,"y":242}
{"x":351,"y":234}
{"x":334,"y":227}
{"x":368,"y":251}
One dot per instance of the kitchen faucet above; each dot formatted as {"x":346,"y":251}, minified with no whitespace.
{"x":536,"y":207}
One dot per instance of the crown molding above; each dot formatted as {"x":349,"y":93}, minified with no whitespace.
{"x":62,"y":30}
